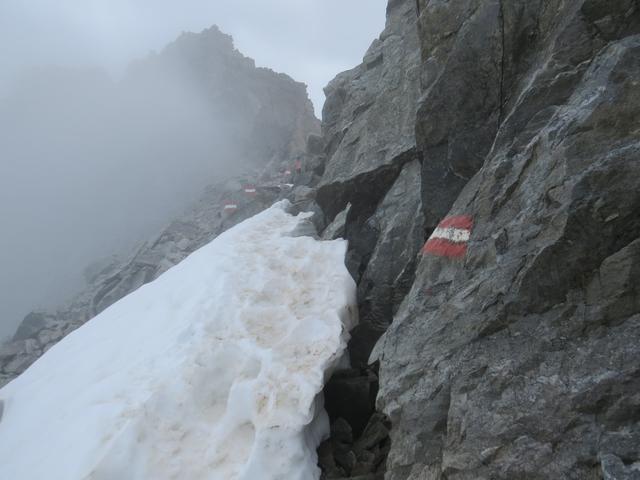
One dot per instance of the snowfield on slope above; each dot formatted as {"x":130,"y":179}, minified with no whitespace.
{"x":210,"y":372}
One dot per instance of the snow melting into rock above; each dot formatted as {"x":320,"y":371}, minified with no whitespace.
{"x":210,"y":372}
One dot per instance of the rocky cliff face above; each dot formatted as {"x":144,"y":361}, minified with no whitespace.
{"x":507,"y":134}
{"x":372,"y":165}
{"x":515,"y":352}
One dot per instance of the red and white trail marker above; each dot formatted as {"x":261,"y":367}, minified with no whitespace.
{"x":451,"y":237}
{"x":230,"y":207}
{"x":250,"y":189}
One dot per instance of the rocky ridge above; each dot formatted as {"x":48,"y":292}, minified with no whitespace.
{"x":268,"y":114}
{"x":519,"y":357}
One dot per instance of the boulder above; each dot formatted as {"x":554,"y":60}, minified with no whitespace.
{"x":336,"y":229}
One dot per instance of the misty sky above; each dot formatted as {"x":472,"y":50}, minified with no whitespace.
{"x":84,"y":171}
{"x":311,"y":40}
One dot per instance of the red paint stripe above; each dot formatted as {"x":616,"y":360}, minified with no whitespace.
{"x":445,"y":248}
{"x":459,"y":221}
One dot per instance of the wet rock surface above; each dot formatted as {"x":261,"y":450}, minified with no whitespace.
{"x":519,"y":360}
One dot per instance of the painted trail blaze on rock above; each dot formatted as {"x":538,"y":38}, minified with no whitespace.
{"x":250,"y":189}
{"x":230,"y":207}
{"x":450,"y":238}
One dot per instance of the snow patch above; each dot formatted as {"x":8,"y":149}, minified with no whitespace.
{"x":213,"y":371}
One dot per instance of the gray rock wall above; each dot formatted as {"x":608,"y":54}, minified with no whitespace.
{"x":369,"y":115}
{"x":372,"y":164}
{"x":520,"y":359}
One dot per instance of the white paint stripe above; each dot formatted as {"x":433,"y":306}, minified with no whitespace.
{"x":456,"y":235}
{"x":230,"y":207}
{"x":250,"y":190}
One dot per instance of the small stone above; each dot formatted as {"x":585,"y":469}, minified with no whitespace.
{"x":341,"y":431}
{"x":374,"y":434}
{"x":346,"y":460}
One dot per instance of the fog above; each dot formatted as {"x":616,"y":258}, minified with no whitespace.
{"x":89,"y":167}
{"x":92,"y":159}
{"x":311,"y":40}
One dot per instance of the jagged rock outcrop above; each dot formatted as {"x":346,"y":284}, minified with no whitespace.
{"x":371,"y":194}
{"x":389,"y":272}
{"x":267,"y":115}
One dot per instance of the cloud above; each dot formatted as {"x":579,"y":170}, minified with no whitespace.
{"x":69,"y":187}
{"x":311,"y":40}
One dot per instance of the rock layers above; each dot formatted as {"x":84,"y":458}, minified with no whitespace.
{"x":520,"y":359}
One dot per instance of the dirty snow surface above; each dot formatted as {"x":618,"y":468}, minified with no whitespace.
{"x":210,"y":372}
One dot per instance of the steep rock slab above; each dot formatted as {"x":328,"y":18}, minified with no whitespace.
{"x":499,"y":65}
{"x":459,"y":110}
{"x":522,"y":360}
{"x":369,"y":115}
